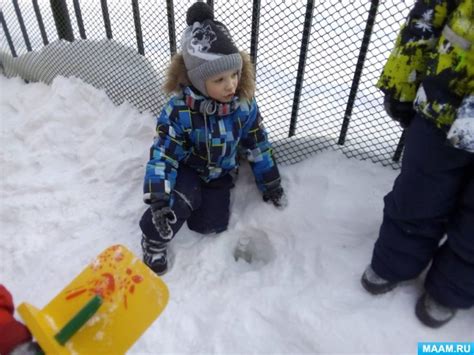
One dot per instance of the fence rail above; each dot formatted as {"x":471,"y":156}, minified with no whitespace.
{"x":317,"y":61}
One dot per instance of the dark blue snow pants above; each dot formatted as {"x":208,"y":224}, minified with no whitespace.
{"x":432,"y":197}
{"x":205,"y":206}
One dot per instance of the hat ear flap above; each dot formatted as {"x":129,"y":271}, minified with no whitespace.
{"x":176,"y":76}
{"x":246,"y":87}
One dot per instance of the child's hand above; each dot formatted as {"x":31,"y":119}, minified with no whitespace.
{"x":402,"y":112}
{"x":162,"y":218}
{"x":277,"y":197}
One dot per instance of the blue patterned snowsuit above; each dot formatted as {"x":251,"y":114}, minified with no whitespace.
{"x":196,"y":148}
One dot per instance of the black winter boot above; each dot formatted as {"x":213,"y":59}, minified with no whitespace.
{"x":431,"y":313}
{"x":155,"y":255}
{"x":374,"y":284}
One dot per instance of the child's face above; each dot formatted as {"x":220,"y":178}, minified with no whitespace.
{"x":222,"y":87}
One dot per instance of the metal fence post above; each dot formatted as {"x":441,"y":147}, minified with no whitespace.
{"x":358,"y":71}
{"x":400,"y":145}
{"x":255,"y":29}
{"x":80,"y":22}
{"x":105,"y":15}
{"x":7,"y":34}
{"x":301,"y":65}
{"x":39,"y":18}
{"x":171,"y":26}
{"x":138,"y":26}
{"x":62,"y":19}
{"x":22,"y":25}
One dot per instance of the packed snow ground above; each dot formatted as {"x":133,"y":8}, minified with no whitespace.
{"x":71,"y":170}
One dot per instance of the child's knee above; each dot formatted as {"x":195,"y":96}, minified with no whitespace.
{"x":184,"y":204}
{"x":209,"y":221}
{"x":207,"y":228}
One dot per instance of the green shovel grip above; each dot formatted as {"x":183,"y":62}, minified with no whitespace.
{"x":79,"y":320}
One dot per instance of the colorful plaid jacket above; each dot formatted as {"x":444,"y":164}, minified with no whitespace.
{"x":432,"y":63}
{"x":208,"y":137}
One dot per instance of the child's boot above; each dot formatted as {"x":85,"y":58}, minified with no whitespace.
{"x":155,"y":255}
{"x":375,"y":284}
{"x":432,"y":313}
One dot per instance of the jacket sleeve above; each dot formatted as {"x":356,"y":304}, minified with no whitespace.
{"x":259,"y":151}
{"x":415,"y":45}
{"x":461,"y":133}
{"x":165,"y":154}
{"x":12,"y":332}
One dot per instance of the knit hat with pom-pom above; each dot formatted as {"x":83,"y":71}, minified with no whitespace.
{"x":207,"y":47}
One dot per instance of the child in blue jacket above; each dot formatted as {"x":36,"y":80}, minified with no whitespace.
{"x":200,"y":133}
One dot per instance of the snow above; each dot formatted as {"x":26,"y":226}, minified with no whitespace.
{"x":71,"y":167}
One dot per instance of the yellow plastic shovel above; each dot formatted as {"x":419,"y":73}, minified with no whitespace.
{"x":104,"y":310}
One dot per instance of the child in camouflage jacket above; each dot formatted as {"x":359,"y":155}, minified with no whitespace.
{"x":428,"y":83}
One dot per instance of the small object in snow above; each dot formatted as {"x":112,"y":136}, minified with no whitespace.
{"x":243,"y":249}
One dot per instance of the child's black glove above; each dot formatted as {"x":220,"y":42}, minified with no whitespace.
{"x":163,"y":216}
{"x":276,"y":196}
{"x":402,"y":112}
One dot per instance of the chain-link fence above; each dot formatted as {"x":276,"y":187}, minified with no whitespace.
{"x":317,"y":61}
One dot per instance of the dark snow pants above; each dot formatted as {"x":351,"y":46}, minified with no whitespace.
{"x":205,"y":206}
{"x":432,"y":197}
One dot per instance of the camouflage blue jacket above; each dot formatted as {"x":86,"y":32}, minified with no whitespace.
{"x":208,"y":137}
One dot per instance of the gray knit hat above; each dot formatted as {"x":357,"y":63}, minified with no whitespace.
{"x":207,"y":47}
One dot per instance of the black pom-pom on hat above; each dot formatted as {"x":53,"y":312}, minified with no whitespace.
{"x":199,"y":12}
